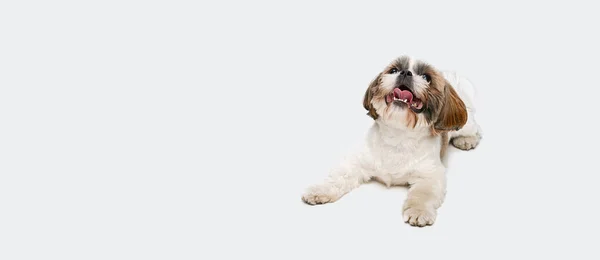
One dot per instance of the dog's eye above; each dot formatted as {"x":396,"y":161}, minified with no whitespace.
{"x":393,"y":70}
{"x":426,"y":77}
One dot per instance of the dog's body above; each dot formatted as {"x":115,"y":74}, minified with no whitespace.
{"x":415,"y":119}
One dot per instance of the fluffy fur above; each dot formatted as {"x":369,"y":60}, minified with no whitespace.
{"x":409,"y":136}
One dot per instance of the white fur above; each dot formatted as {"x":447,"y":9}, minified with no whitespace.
{"x":395,"y":154}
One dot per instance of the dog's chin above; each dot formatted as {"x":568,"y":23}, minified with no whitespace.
{"x":403,"y":98}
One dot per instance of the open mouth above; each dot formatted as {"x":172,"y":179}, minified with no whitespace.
{"x":403,"y":95}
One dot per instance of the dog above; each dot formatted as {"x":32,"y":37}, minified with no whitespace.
{"x":417,"y":111}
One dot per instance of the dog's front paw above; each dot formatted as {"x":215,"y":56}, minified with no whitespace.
{"x":419,"y":216}
{"x":466,"y":142}
{"x":319,"y":194}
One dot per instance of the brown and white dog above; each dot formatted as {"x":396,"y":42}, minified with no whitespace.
{"x":417,"y":112}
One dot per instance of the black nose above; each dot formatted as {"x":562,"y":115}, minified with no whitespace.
{"x":406,"y":73}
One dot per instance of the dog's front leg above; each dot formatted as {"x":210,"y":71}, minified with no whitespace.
{"x":350,"y":174}
{"x":425,"y":195}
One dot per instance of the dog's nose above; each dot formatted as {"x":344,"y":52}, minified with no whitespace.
{"x":406,"y":73}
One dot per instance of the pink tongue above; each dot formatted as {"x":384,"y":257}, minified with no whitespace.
{"x":403,"y":94}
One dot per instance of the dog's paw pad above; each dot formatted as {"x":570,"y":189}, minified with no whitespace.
{"x":319,"y":195}
{"x":419,"y":216}
{"x":466,"y":142}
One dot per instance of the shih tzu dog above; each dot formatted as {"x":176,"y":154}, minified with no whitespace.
{"x":417,"y":112}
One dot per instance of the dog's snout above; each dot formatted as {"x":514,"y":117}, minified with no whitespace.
{"x":406,"y":73}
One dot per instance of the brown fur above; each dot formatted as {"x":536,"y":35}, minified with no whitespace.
{"x":445,"y":110}
{"x":411,"y":118}
{"x":444,"y":145}
{"x":369,"y":96}
{"x":453,"y":114}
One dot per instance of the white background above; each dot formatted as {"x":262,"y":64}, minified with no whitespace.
{"x":189,"y":129}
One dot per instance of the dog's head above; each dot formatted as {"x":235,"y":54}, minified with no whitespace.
{"x":411,"y":93}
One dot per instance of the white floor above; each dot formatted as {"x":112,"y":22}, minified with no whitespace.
{"x":138,"y":130}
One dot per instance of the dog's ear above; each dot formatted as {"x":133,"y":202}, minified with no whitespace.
{"x":369,"y":96}
{"x":453,"y":114}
